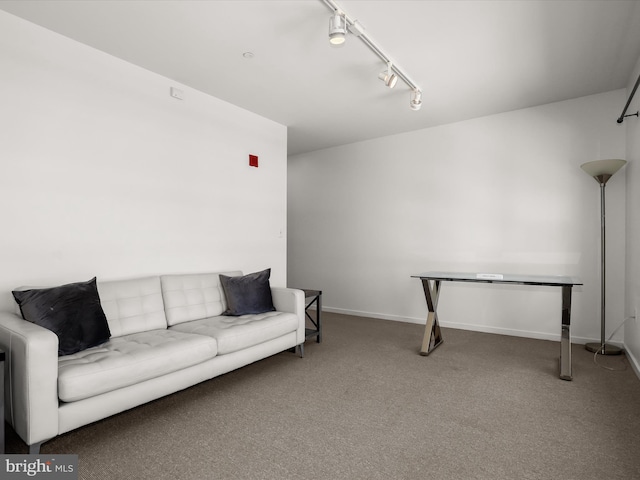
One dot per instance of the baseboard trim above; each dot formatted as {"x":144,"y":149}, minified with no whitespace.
{"x":633,"y":361}
{"x":474,"y":328}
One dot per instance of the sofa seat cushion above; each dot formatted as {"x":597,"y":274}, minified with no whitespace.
{"x":237,"y":333}
{"x":128,"y":360}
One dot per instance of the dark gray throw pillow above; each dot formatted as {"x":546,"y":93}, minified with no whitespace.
{"x":248,"y":294}
{"x":73,"y":312}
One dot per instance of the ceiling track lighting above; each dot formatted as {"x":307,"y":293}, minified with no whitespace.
{"x":388,"y":77}
{"x":340,"y":24}
{"x":337,"y":29}
{"x":416,"y":100}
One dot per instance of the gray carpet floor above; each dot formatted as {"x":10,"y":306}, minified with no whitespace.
{"x":364,"y":405}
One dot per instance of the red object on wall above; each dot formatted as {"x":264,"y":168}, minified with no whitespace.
{"x":253,"y":160}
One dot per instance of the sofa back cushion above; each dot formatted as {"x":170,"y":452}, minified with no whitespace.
{"x":132,"y":306}
{"x":193,"y":296}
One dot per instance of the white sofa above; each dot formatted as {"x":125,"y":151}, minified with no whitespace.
{"x":167,"y":333}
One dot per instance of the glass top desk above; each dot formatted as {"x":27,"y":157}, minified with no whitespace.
{"x":431,"y":282}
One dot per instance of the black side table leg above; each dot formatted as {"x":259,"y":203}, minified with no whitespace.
{"x":2,"y":402}
{"x":319,"y":318}
{"x":316,"y":297}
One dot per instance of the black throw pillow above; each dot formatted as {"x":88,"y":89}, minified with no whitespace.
{"x":248,"y":294}
{"x":73,"y":312}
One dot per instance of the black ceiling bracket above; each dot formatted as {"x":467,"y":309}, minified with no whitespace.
{"x":633,"y":92}
{"x":629,"y":115}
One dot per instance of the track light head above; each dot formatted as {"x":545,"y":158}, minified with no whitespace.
{"x":416,"y":100}
{"x":388,"y":77}
{"x":337,"y":29}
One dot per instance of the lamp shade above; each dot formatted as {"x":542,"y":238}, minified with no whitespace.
{"x":603,"y":167}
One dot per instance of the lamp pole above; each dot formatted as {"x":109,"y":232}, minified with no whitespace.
{"x":602,"y":171}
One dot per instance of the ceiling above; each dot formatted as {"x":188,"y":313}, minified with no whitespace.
{"x":471,"y":58}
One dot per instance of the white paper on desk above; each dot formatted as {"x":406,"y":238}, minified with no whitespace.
{"x":490,"y":276}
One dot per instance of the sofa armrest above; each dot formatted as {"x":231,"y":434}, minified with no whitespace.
{"x":291,"y":300}
{"x":31,"y":378}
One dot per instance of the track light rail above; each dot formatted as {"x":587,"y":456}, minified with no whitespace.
{"x":633,"y":92}
{"x":357,"y":30}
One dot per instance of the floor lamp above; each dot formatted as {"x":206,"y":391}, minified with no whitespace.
{"x":602,"y":171}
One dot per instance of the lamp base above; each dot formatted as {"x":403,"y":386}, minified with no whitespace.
{"x":603,"y":350}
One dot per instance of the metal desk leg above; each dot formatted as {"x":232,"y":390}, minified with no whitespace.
{"x":565,"y":335}
{"x":432,"y":335}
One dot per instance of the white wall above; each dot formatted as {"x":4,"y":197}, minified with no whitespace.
{"x":503,"y":193}
{"x":632,"y":327}
{"x":105,"y":174}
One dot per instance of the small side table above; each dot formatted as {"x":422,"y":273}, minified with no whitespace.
{"x":1,"y":402}
{"x":311,"y":297}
